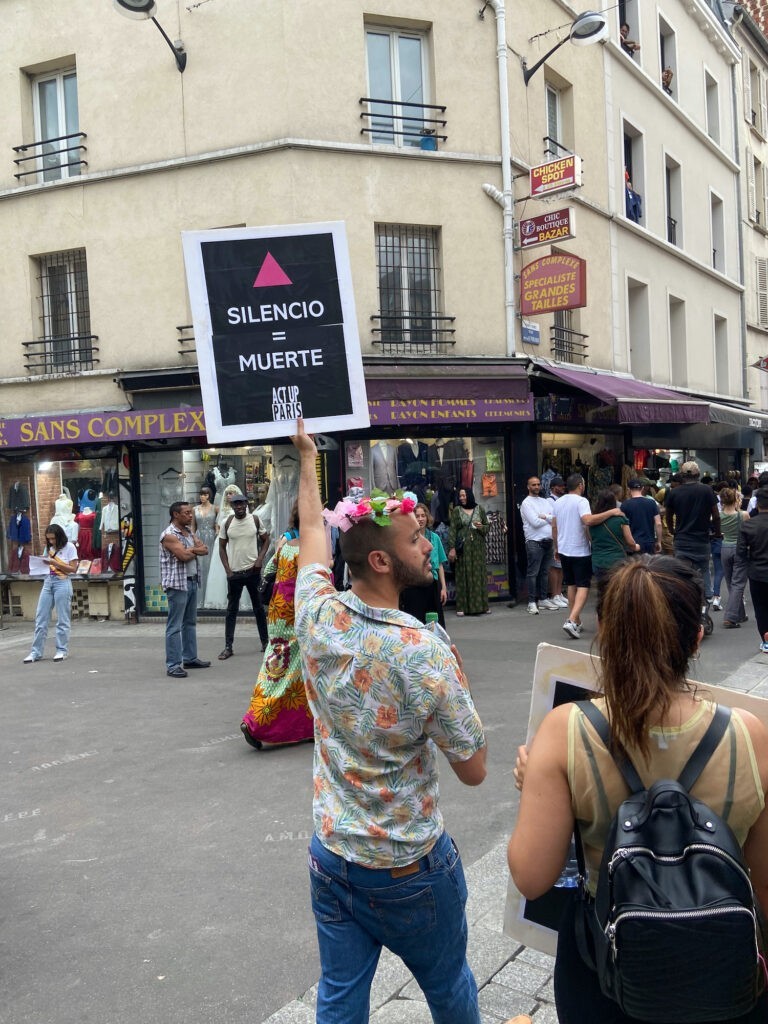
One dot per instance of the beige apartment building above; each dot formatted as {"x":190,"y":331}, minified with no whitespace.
{"x":419,"y":133}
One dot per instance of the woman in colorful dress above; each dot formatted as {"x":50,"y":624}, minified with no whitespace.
{"x":466,"y":550}
{"x":278,"y":712}
{"x":417,"y":601}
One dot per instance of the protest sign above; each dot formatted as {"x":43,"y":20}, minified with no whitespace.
{"x":275,"y":330}
{"x":562,"y":675}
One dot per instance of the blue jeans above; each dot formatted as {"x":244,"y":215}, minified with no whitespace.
{"x":419,"y":916}
{"x":539,"y":556}
{"x":698,"y":555}
{"x":56,"y":593}
{"x":181,"y":628}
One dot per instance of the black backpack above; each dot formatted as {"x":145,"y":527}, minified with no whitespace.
{"x":674,"y":927}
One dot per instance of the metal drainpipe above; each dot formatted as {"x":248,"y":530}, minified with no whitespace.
{"x":507,"y":201}
{"x":742,"y":297}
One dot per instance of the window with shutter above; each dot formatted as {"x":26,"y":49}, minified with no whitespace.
{"x":747,"y":85}
{"x":761,"y":266}
{"x":749,"y":165}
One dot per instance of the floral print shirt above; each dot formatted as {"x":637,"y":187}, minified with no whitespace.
{"x":385,"y":693}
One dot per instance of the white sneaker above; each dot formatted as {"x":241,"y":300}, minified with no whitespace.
{"x":29,"y":659}
{"x":532,"y":608}
{"x":59,"y":656}
{"x":560,"y":601}
{"x":716,"y":606}
{"x":572,"y":629}
{"x":550,"y":606}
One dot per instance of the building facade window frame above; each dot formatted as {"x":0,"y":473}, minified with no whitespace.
{"x":409,"y":273}
{"x":56,"y":114}
{"x":65,"y":343}
{"x":394,"y":81}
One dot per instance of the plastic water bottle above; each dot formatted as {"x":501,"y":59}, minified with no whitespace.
{"x":569,"y":877}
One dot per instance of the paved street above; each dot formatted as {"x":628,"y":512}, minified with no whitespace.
{"x":153,"y":865}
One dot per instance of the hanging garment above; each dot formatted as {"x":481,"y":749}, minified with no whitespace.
{"x":467,"y":474}
{"x":18,"y":497}
{"x":490,"y":485}
{"x":19,"y":529}
{"x":496,"y":541}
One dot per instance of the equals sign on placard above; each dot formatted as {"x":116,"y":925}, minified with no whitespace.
{"x":278,"y":335}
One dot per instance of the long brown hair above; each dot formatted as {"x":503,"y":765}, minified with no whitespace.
{"x":650,"y":614}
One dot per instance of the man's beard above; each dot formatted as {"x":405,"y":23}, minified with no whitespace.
{"x":405,"y":576}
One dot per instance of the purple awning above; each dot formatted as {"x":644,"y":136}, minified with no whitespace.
{"x":636,"y":401}
{"x":447,"y":387}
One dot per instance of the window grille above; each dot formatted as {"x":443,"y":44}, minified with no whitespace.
{"x":410,"y":299}
{"x":66,"y":344}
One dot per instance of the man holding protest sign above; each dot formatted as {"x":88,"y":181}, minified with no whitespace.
{"x":384,"y":695}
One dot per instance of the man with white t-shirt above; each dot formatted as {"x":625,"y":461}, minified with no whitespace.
{"x":536,"y":513}
{"x":572,"y":517}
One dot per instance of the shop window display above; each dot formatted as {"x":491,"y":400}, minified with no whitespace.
{"x":267,"y":475}
{"x":80,"y":495}
{"x":434,"y":469}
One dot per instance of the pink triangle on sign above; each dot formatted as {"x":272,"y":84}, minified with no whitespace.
{"x":271,"y":273}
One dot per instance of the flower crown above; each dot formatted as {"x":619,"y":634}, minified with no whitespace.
{"x":378,"y":508}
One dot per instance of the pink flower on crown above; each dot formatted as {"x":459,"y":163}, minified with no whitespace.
{"x":407,"y":505}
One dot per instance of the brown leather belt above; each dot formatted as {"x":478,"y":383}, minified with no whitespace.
{"x":409,"y":869}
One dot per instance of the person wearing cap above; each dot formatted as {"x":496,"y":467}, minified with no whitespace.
{"x":689,"y":511}
{"x":644,"y":518}
{"x":243,"y":542}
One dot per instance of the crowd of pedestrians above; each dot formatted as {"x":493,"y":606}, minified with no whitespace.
{"x":712,"y":525}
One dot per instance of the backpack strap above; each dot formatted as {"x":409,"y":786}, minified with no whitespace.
{"x":706,"y":748}
{"x":600,"y":723}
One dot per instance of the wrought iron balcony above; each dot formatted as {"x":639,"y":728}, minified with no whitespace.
{"x":413,"y":333}
{"x":70,"y":354}
{"x":405,"y":124}
{"x":50,"y":158}
{"x":566,"y":345}
{"x":186,"y":339}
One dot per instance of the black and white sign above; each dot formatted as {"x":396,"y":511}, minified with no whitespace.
{"x":275,"y":330}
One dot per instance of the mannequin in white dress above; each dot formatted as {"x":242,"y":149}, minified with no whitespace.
{"x":223,"y":476}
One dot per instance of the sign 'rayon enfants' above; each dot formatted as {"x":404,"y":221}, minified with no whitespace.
{"x":275,"y":330}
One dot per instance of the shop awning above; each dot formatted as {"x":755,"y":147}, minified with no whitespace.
{"x":636,"y":401}
{"x":511,"y":382}
{"x":737,"y":417}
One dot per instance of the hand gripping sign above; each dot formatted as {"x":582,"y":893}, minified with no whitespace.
{"x":275,"y":330}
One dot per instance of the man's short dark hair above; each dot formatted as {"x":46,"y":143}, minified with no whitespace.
{"x":175,"y":508}
{"x":762,"y":480}
{"x":574,"y":481}
{"x":761,"y":496}
{"x":360,"y":540}
{"x":556,"y":481}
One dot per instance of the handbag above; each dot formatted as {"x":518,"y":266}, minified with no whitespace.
{"x":266,"y":583}
{"x":624,"y":551}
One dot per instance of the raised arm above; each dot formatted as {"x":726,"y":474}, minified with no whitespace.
{"x":312,"y":544}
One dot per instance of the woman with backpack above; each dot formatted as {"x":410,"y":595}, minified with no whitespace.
{"x":656,"y":720}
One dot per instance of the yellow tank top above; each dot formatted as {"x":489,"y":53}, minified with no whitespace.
{"x":729,"y":783}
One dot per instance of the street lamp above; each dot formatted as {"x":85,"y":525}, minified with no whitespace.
{"x":145,"y":9}
{"x":589,"y":27}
